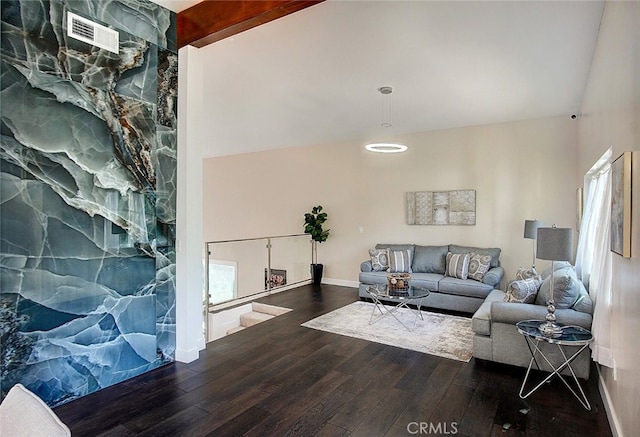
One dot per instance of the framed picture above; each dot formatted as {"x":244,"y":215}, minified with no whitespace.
{"x":579,"y":207}
{"x":278,"y":278}
{"x":621,"y":205}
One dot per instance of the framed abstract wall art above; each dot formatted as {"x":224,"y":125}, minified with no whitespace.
{"x":455,"y":207}
{"x":621,"y":170}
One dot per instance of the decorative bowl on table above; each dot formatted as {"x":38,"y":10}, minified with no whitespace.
{"x":398,"y":284}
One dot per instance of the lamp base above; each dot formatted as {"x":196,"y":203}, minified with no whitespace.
{"x":550,"y":329}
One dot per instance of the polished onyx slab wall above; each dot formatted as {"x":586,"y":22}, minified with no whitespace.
{"x":87,"y":196}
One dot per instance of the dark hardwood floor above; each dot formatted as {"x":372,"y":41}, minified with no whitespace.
{"x":279,"y":378}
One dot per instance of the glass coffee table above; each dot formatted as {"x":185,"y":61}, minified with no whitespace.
{"x":571,"y":336}
{"x":401,"y":299}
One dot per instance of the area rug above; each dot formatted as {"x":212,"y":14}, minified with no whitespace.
{"x":438,"y":334}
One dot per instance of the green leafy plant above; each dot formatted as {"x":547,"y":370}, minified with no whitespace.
{"x":313,"y":222}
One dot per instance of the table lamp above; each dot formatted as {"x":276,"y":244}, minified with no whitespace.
{"x":531,"y":232}
{"x":554,"y":244}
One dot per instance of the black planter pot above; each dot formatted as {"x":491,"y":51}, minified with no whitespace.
{"x":316,"y":273}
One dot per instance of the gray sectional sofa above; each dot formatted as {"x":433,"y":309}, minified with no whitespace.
{"x":496,"y":337}
{"x":428,"y":266}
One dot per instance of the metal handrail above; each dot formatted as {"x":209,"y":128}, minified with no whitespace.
{"x":254,"y":238}
{"x":269,"y":285}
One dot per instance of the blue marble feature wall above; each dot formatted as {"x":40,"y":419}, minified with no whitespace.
{"x":87,"y":196}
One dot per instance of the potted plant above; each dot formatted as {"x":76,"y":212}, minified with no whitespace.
{"x":313,"y":222}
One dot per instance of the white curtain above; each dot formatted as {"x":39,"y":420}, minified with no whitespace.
{"x":593,"y":258}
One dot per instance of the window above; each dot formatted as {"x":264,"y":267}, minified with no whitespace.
{"x":223,"y":279}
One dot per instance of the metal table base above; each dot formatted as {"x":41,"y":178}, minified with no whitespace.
{"x":533,"y":342}
{"x":386,"y":311}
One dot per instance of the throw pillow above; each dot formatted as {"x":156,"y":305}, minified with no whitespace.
{"x":565,"y":289}
{"x":429,"y":259}
{"x":457,"y":265}
{"x":399,"y":261}
{"x":493,"y":252}
{"x":478,"y":266}
{"x":523,"y":290}
{"x":584,"y":304}
{"x":526,"y":273}
{"x":557,"y":265}
{"x":379,"y":259}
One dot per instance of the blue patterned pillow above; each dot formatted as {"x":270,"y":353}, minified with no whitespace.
{"x":399,"y":261}
{"x":379,"y":259}
{"x":523,"y":290}
{"x":526,"y":273}
{"x":478,"y":266}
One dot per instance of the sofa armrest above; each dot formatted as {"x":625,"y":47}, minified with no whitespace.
{"x":365,"y":266}
{"x":512,"y":313}
{"x":494,"y":276}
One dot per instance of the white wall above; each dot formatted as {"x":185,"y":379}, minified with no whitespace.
{"x":189,"y":242}
{"x":521,"y":170}
{"x":611,"y":118}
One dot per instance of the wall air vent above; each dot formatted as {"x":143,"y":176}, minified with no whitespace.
{"x":92,"y":33}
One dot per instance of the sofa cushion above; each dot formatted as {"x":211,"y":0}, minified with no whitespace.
{"x":512,"y":313}
{"x":523,"y":290}
{"x":400,"y":261}
{"x":457,"y":265}
{"x":427,"y":280}
{"x":464,"y":287}
{"x":565,"y":289}
{"x":379,"y":259}
{"x":557,"y":265}
{"x":478,"y":266}
{"x":584,"y":304}
{"x":493,"y":252}
{"x":409,"y":247}
{"x":429,"y":259}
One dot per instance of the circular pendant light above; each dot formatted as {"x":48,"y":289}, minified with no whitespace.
{"x":384,"y":147}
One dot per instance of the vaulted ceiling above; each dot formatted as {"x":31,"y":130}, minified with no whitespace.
{"x":312,"y":77}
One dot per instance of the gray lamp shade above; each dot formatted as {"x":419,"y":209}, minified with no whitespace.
{"x":555,"y":244}
{"x":531,"y":228}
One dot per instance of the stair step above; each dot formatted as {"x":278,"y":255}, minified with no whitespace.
{"x":268,"y":309}
{"x":253,"y":318}
{"x":236,"y":329}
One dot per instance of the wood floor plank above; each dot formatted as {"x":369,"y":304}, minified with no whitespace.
{"x":482,"y":407}
{"x":418,"y":373}
{"x":373,"y":392}
{"x":383,"y":415}
{"x":318,"y":414}
{"x":279,"y":378}
{"x":240,"y":424}
{"x":451,"y":408}
{"x":425,"y":401}
{"x":302,"y":406}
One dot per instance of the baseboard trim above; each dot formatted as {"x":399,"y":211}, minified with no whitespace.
{"x":188,"y":356}
{"x":608,"y":406}
{"x":340,"y":282}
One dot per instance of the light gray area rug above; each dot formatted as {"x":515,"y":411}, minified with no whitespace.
{"x":438,"y":334}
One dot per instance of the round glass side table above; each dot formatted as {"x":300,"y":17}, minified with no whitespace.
{"x":571,"y":336}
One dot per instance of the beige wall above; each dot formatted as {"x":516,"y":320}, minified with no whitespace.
{"x":611,"y":118}
{"x":520,"y":170}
